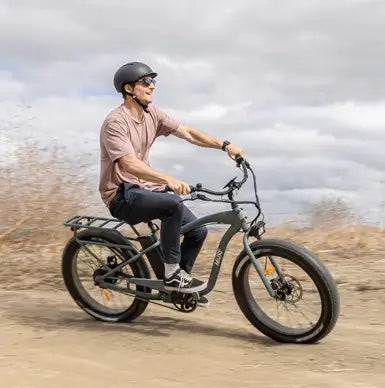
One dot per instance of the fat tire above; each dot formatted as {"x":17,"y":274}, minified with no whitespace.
{"x":313,"y":266}
{"x":138,"y":267}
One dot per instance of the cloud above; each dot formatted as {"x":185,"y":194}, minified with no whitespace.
{"x":368,"y":116}
{"x":298,"y":84}
{"x":210,"y":113}
{"x":10,"y":86}
{"x":298,"y":53}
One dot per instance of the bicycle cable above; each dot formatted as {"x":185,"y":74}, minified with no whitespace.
{"x":234,"y":186}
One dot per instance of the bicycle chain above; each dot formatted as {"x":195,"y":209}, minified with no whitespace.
{"x":153,"y":302}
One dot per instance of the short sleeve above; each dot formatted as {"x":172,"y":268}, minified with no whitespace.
{"x":116,"y":141}
{"x":166,"y":124}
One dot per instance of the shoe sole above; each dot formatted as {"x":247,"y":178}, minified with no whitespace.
{"x":203,"y":304}
{"x":186,"y":290}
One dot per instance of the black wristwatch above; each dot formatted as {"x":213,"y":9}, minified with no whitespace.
{"x":225,"y":144}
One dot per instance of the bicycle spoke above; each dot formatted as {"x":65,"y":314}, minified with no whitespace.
{"x":309,"y":320}
{"x":91,"y":258}
{"x":294,"y":311}
{"x":92,"y":254}
{"x":90,"y":264}
{"x":292,"y":315}
{"x":305,"y":308}
{"x":277,"y":305}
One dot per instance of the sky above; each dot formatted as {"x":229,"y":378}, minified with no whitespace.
{"x":298,"y":84}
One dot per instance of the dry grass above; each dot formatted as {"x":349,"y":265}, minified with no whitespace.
{"x":42,"y":190}
{"x":355,"y":257}
{"x":356,"y":240}
{"x":39,"y":191}
{"x":331,"y":212}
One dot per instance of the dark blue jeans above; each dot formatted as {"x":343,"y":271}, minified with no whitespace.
{"x":134,"y":205}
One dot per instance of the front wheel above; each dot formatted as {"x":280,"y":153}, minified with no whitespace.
{"x":306,"y":307}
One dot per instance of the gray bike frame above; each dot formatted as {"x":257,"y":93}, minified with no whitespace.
{"x":237,"y":221}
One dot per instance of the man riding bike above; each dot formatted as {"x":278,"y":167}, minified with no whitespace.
{"x":133,"y":191}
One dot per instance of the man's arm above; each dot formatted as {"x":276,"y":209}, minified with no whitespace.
{"x":135,"y":166}
{"x":197,"y":137}
{"x":201,"y":139}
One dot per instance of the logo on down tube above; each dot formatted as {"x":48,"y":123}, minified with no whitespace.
{"x":218,"y":257}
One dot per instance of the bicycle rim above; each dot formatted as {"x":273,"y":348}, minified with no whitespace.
{"x":85,"y":265}
{"x":299,"y":307}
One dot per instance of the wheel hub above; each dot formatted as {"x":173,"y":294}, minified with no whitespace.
{"x":289,"y":290}
{"x":112,"y":263}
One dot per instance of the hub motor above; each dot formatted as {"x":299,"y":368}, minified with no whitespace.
{"x":112,"y":263}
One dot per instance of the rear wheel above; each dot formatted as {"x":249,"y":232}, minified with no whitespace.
{"x":307,"y":304}
{"x":82,"y":263}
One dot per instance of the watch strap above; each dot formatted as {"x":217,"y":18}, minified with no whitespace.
{"x":225,"y":144}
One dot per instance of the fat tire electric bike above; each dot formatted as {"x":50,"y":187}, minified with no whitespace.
{"x":276,"y":283}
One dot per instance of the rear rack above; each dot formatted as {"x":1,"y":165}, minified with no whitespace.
{"x":89,"y":222}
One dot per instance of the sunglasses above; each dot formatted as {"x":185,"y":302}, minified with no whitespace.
{"x":147,"y":81}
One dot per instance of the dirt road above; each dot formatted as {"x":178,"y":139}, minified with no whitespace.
{"x":47,"y":341}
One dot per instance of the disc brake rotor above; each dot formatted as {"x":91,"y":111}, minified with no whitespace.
{"x":289,"y":291}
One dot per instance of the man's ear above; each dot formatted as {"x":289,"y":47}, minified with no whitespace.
{"x":128,"y":88}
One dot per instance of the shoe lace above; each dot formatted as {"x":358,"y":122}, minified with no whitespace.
{"x":184,"y":276}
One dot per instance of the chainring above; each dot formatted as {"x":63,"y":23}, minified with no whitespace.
{"x":185,"y":303}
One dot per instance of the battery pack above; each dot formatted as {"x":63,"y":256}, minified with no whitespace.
{"x":154,"y":256}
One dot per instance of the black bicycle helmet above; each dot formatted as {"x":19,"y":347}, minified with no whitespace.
{"x":131,"y":72}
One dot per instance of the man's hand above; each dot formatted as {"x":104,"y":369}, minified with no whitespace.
{"x":177,"y":186}
{"x":232,"y":150}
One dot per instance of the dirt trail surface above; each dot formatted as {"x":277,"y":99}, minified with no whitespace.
{"x":47,"y":341}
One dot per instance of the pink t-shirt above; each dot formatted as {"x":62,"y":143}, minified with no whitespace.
{"x":122,"y":135}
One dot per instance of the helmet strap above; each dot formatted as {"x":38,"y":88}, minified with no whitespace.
{"x":145,"y":107}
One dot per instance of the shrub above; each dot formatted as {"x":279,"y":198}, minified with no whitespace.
{"x":40,"y":189}
{"x":331,"y":212}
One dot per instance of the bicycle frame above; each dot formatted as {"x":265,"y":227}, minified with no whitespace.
{"x":237,"y":221}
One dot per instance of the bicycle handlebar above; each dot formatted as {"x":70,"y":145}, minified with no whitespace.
{"x":232,"y":185}
{"x":240,"y":162}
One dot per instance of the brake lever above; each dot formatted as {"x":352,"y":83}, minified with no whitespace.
{"x":228,"y":184}
{"x":202,"y":197}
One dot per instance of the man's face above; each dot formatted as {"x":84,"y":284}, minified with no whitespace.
{"x":144,"y":91}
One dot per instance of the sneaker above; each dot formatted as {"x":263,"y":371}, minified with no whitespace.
{"x":181,"y":281}
{"x":203,"y":302}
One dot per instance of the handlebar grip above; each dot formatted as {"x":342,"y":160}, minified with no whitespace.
{"x":192,"y":189}
{"x":239,"y":159}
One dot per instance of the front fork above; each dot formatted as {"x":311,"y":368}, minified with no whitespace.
{"x":258,"y":267}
